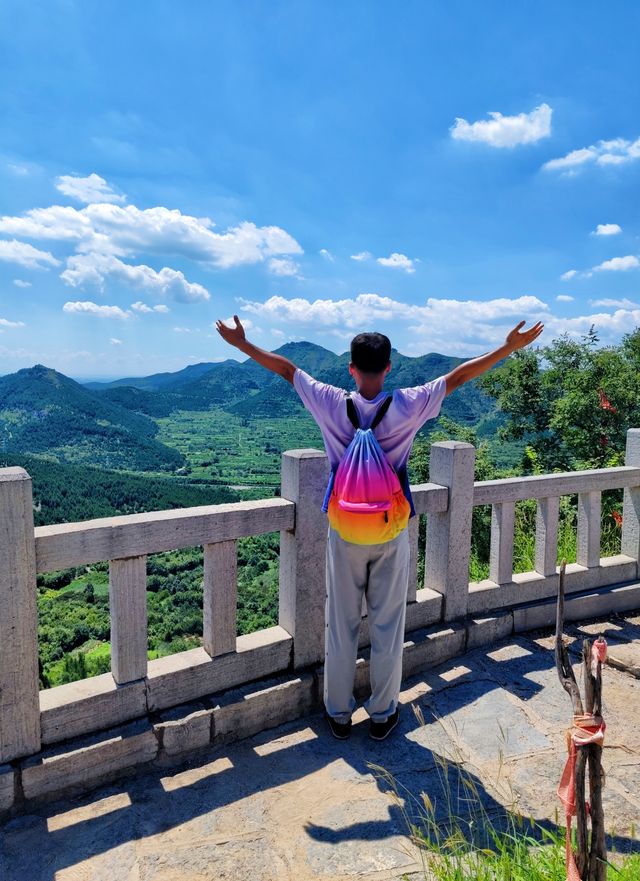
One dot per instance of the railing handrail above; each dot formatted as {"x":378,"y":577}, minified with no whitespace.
{"x":540,"y":486}
{"x":127,"y":535}
{"x":83,"y":542}
{"x":132,"y":535}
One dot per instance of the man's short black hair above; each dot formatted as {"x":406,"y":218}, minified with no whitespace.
{"x":370,"y":352}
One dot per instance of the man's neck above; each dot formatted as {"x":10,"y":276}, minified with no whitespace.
{"x":369,"y":391}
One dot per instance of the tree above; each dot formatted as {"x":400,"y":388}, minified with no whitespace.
{"x":572,"y":401}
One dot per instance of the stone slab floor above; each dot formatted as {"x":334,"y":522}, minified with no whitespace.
{"x":294,"y":804}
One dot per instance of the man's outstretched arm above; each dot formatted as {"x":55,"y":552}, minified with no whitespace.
{"x":276,"y":363}
{"x":515,"y":340}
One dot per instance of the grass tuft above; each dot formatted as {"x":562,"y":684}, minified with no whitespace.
{"x":459,"y":840}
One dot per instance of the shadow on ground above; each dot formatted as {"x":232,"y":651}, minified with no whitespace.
{"x":295,"y":803}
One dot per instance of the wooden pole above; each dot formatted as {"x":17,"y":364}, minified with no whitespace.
{"x":597,"y":864}
{"x":591,"y":853}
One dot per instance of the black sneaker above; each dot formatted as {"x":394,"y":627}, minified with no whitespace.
{"x":380,"y":730}
{"x":340,"y":730}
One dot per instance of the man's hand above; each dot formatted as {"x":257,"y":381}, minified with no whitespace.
{"x":517,"y":340}
{"x":276,"y":363}
{"x":232,"y":335}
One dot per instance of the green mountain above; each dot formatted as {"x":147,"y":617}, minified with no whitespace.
{"x":43,"y":411}
{"x":248,"y":390}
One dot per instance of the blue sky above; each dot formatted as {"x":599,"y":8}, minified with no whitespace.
{"x":165,"y":164}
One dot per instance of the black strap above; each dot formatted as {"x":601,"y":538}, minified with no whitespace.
{"x":377,"y":419}
{"x":352,"y":413}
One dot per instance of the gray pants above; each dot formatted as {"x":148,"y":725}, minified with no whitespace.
{"x":381,"y":573}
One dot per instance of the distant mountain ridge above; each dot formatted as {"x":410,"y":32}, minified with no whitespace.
{"x":158,"y":380}
{"x":113,"y":425}
{"x":247,"y":389}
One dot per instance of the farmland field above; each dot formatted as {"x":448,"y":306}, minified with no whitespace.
{"x":232,"y":450}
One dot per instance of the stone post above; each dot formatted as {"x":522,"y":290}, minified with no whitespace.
{"x":19,"y":685}
{"x":631,"y":505}
{"x":302,"y":555}
{"x":448,"y":545}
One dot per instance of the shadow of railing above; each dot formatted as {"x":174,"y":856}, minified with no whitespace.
{"x":63,"y":834}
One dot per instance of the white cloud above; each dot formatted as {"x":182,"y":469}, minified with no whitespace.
{"x":20,"y":283}
{"x":87,"y":189}
{"x":57,"y":223}
{"x":564,"y":298}
{"x":86,"y":307}
{"x":463,"y":327}
{"x":115,"y":342}
{"x":608,"y":303}
{"x":26,"y":255}
{"x":506,"y":131}
{"x":182,"y":329}
{"x":4,"y":322}
{"x":18,"y":170}
{"x":609,"y":326}
{"x":361,"y":255}
{"x":327,"y":255}
{"x":283,"y":266}
{"x":127,"y":230}
{"x":397,"y":261}
{"x":571,"y":273}
{"x":607,"y":229}
{"x":96,"y":268}
{"x":614,"y":152}
{"x":618,"y":264}
{"x":139,"y":306}
{"x":433,"y":321}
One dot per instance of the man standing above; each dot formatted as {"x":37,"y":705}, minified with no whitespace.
{"x":378,"y":571}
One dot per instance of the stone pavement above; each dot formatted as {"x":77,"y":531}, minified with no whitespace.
{"x":294,"y":804}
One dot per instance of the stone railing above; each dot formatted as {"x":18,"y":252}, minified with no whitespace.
{"x":135,"y":688}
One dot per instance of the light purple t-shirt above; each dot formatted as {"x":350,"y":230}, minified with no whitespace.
{"x":409,"y":410}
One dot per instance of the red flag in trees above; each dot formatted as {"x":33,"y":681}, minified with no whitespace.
{"x":605,"y":403}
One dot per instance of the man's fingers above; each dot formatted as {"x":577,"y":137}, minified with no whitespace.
{"x":237,"y":320}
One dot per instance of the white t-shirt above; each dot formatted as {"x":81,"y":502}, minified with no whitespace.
{"x":409,"y":410}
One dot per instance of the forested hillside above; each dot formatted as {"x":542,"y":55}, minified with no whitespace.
{"x":43,"y":411}
{"x":63,"y":493}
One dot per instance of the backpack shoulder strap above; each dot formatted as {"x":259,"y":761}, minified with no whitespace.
{"x":382,"y":409}
{"x":352,"y":413}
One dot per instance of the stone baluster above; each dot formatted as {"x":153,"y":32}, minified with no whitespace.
{"x":220,"y":597}
{"x":128,"y":609}
{"x":414,"y":533}
{"x":302,"y":555}
{"x":589,"y":528}
{"x":547,"y":535}
{"x":501,"y":555}
{"x":448,"y":545}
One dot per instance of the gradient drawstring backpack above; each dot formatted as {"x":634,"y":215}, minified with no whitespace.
{"x":365,"y":501}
